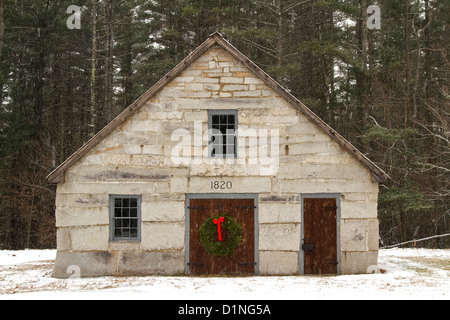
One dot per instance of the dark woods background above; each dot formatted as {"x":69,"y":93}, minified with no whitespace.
{"x":387,"y":90}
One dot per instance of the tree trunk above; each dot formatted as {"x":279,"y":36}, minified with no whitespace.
{"x":2,"y":33}
{"x":93,"y":109}
{"x":2,"y":26}
{"x":361,"y":75}
{"x":428,"y":74}
{"x":109,"y":63}
{"x":38,"y":91}
{"x":128,"y":71}
{"x":29,"y":221}
{"x":407,"y":90}
{"x":363,"y":47}
{"x":279,"y":40}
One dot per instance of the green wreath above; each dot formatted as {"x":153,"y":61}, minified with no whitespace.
{"x":209,"y":236}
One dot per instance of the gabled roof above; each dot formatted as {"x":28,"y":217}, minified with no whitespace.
{"x":216,"y":38}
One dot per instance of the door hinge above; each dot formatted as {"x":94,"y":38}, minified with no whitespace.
{"x":247,"y":263}
{"x":195,"y":264}
{"x":197,"y":208}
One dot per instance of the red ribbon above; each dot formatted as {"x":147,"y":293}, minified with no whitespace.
{"x":217,"y":223}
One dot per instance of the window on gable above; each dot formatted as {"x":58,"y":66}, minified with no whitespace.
{"x":125,"y":218}
{"x":223,"y":133}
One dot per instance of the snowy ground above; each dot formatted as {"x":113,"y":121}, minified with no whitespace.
{"x":410,"y":274}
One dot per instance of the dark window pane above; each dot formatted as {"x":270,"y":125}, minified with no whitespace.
{"x":223,"y":136}
{"x":125,"y":220}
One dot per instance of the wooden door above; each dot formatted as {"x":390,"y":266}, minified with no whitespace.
{"x":320,"y":236}
{"x":242,"y":262}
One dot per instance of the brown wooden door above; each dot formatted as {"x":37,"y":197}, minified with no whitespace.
{"x":242,"y":262}
{"x":320,"y":236}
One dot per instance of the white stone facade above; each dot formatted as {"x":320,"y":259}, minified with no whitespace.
{"x":137,"y":159}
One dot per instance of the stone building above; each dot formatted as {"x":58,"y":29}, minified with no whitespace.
{"x":216,"y":138}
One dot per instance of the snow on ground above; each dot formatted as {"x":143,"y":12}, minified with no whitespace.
{"x":410,"y":274}
{"x":25,"y":256}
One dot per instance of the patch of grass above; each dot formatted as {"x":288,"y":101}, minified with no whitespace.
{"x":426,"y":265}
{"x":437,"y":263}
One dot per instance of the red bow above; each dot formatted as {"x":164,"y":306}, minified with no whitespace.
{"x":217,"y":222}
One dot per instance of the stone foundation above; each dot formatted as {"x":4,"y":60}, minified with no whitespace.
{"x":118,"y":263}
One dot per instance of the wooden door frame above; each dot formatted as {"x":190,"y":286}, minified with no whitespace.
{"x":301,"y":256}
{"x":220,"y":196}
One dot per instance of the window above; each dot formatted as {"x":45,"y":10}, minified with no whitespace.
{"x":223,"y":133}
{"x":125,"y":217}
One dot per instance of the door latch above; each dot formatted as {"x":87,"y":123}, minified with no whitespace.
{"x":247,"y":264}
{"x":195,"y":264}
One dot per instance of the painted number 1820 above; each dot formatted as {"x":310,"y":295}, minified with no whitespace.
{"x":221,"y":185}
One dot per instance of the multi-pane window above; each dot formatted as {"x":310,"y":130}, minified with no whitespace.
{"x":125,"y":217}
{"x":223,"y":133}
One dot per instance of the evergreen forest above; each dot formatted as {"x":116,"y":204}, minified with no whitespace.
{"x":377,"y":71}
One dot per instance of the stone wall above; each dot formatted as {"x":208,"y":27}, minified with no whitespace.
{"x":137,"y":159}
